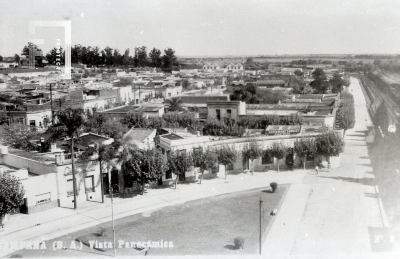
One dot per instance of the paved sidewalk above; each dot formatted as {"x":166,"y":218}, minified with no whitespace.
{"x":282,"y":235}
{"x":61,"y":221}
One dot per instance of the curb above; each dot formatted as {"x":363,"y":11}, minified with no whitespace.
{"x":385,"y":222}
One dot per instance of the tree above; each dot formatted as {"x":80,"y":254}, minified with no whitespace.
{"x":320,"y":85}
{"x":155,"y":56}
{"x":144,"y":166}
{"x":27,"y":48}
{"x":304,"y":148}
{"x":169,"y":58}
{"x":345,"y":114}
{"x":337,"y":83}
{"x":329,"y":144}
{"x":252,"y":151}
{"x":140,"y":57}
{"x":11,"y":195}
{"x":298,"y":73}
{"x":135,"y":119}
{"x":377,"y":63}
{"x":69,"y":122}
{"x":185,"y":83}
{"x":173,"y":104}
{"x":17,"y":58}
{"x":226,"y":156}
{"x":297,"y":84}
{"x":205,"y":160}
{"x":19,"y":136}
{"x":179,"y":163}
{"x":55,"y":56}
{"x":126,"y":60}
{"x":113,"y":129}
{"x":279,"y":151}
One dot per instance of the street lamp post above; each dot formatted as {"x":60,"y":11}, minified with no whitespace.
{"x":112,"y":216}
{"x":260,"y":224}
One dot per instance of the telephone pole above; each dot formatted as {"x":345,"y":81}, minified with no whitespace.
{"x":260,"y":224}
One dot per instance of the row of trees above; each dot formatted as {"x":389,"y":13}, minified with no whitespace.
{"x":327,"y":145}
{"x":345,"y":114}
{"x":94,"y":56}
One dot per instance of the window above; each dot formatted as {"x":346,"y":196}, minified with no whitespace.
{"x":89,"y":184}
{"x":32,"y":123}
{"x":218,"y":112}
{"x":267,"y":159}
{"x":182,"y":152}
{"x":229,"y":112}
{"x":169,"y":94}
{"x":43,"y":198}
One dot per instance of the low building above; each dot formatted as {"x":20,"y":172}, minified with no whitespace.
{"x":149,"y":110}
{"x":47,"y":179}
{"x":229,"y":109}
{"x":270,"y":83}
{"x":142,"y":138}
{"x":213,"y":66}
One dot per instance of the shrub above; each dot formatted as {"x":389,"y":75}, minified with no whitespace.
{"x":274,"y":186}
{"x":100,"y":232}
{"x":239,"y":242}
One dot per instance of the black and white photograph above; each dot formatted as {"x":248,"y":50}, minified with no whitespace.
{"x":200,"y":128}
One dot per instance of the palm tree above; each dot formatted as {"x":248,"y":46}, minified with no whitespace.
{"x":174,"y":104}
{"x":68,"y":122}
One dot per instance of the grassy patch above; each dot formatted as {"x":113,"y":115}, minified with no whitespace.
{"x":206,"y":226}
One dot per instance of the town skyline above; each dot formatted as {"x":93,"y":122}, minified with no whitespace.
{"x":212,"y":28}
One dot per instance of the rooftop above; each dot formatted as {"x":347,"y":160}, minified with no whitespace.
{"x":270,"y":82}
{"x":90,"y":138}
{"x":171,"y":136}
{"x":47,"y":158}
{"x":138,"y":134}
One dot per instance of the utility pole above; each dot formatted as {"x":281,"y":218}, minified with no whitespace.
{"x":260,"y":224}
{"x":51,"y":106}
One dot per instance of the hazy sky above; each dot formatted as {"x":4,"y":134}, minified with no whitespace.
{"x":209,"y":27}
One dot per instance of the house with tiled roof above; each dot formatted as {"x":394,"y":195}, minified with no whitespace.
{"x":213,"y":66}
{"x":142,"y":138}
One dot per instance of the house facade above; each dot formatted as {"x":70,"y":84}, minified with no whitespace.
{"x":226,"y":109}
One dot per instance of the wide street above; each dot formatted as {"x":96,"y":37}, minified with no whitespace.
{"x":342,"y":217}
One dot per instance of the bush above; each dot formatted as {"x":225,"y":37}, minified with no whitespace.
{"x":100,"y":232}
{"x":239,"y":242}
{"x":274,"y":186}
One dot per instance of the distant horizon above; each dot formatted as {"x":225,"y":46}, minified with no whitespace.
{"x":263,"y":55}
{"x":210,"y":28}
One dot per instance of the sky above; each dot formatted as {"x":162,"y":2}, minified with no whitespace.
{"x":209,"y":27}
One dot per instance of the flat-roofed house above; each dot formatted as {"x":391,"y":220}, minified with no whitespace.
{"x":226,"y":109}
{"x":270,"y":83}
